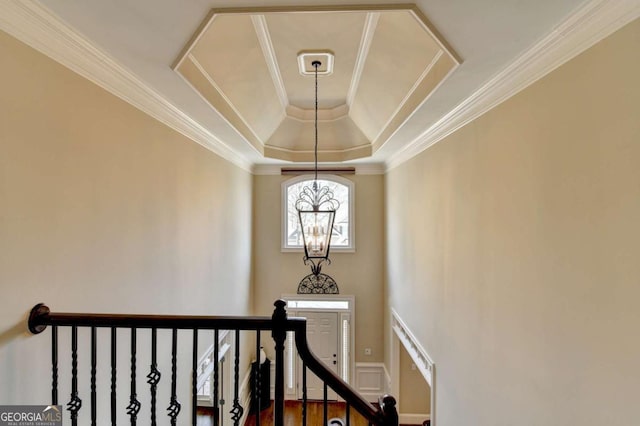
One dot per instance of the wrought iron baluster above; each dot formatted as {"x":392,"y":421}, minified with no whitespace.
{"x":75,"y":403}
{"x":221,"y":399}
{"x":174,"y":406}
{"x":304,"y":394}
{"x":237,"y":411}
{"x":258,"y":380}
{"x":216,"y":378}
{"x":54,"y":365}
{"x":113,"y":376}
{"x":194,"y":379}
{"x":279,"y":335}
{"x":93,"y":375}
{"x":134,"y":405}
{"x":153,"y":378}
{"x":41,"y":317}
{"x":348,"y":414}
{"x":324,"y":404}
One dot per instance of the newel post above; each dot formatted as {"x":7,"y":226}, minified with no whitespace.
{"x":389,"y":411}
{"x":279,"y":334}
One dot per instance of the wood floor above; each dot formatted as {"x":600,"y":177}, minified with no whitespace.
{"x":293,"y":415}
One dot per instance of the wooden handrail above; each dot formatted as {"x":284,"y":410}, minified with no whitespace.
{"x":41,"y":317}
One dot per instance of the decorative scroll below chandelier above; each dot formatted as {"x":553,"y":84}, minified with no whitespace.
{"x":316,"y":209}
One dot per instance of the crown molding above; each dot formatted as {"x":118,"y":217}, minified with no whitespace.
{"x":591,"y":23}
{"x":33,"y":24}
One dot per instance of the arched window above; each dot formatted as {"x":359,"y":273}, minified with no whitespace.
{"x":342,"y":238}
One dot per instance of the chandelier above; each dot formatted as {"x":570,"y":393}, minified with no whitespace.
{"x":316,"y":209}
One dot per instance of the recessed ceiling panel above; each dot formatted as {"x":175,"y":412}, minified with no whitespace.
{"x":386,"y":63}
{"x":399,"y":57}
{"x":339,"y":32}
{"x":230,"y":54}
{"x":334,"y":135}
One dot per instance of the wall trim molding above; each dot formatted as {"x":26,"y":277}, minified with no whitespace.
{"x":33,"y":24}
{"x":423,"y":361}
{"x":370,"y":380}
{"x":401,"y":334}
{"x":388,"y":382}
{"x":583,"y":28}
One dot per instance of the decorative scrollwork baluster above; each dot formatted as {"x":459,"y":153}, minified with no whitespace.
{"x":174,"y":406}
{"x":237,"y":411}
{"x":134,"y":405}
{"x":153,"y":378}
{"x":75,"y":403}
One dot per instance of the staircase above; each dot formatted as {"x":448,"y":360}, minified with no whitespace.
{"x":154,"y":338}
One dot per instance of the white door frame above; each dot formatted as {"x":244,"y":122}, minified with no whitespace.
{"x":344,"y":306}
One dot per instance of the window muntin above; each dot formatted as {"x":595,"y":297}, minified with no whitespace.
{"x":342,"y":237}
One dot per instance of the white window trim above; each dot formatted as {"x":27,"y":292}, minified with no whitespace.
{"x":351,"y":248}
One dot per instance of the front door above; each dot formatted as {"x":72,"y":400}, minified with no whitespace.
{"x":322,"y":335}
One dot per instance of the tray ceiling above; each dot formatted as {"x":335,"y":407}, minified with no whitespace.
{"x":132,"y":49}
{"x":386,"y":62}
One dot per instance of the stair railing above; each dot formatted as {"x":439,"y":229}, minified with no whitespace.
{"x":279,"y":324}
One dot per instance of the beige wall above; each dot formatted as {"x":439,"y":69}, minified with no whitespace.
{"x":359,"y":273}
{"x":104,"y":209}
{"x":513,"y":250}
{"x":415,"y":394}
